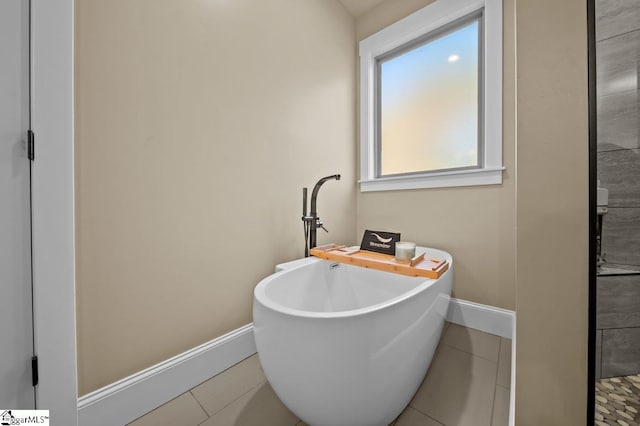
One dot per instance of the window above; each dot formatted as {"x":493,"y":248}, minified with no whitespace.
{"x":431,"y":99}
{"x":427,"y":103}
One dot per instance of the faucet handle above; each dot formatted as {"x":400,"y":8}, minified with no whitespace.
{"x":319,"y":224}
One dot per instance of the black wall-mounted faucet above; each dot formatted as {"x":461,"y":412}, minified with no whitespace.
{"x":312,"y":221}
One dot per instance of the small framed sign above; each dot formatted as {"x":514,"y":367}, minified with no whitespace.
{"x":380,"y":242}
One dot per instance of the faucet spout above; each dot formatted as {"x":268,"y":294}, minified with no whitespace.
{"x":314,"y":193}
{"x":312,"y":222}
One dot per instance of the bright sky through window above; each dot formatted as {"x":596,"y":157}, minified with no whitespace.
{"x":429,"y":105}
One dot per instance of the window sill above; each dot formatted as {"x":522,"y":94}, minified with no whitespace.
{"x":486,"y":176}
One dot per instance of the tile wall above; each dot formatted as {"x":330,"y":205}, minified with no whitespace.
{"x":618,"y":75}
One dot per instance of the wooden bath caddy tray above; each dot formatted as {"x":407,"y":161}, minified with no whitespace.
{"x":418,"y":267}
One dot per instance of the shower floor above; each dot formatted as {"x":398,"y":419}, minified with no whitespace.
{"x":618,"y":401}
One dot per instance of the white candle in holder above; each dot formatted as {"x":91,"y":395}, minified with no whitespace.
{"x":405,"y":251}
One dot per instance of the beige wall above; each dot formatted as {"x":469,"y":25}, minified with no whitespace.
{"x":540,"y":212}
{"x":475,"y":224}
{"x":198,"y":122}
{"x":197,"y":125}
{"x":552,"y":213}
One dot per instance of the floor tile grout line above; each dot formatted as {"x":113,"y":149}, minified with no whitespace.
{"x":501,"y":360}
{"x":162,"y":405}
{"x":200,"y":404}
{"x":471,"y":353}
{"x":204,"y":421}
{"x":426,"y":415}
{"x":231,"y":402}
{"x":493,"y":400}
{"x":209,"y":416}
{"x":479,"y":331}
{"x":220,"y":373}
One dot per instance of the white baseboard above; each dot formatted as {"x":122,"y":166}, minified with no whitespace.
{"x":125,"y":400}
{"x":512,"y":394}
{"x":489,"y":319}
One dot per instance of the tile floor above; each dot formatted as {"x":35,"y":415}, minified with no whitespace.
{"x":467,"y":384}
{"x":618,"y":401}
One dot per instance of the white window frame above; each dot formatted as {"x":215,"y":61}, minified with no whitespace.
{"x":435,"y":16}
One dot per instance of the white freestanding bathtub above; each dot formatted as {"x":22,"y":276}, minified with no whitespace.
{"x":343,"y":345}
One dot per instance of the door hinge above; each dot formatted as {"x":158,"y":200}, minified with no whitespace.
{"x":34,"y":370}
{"x":31,"y":140}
